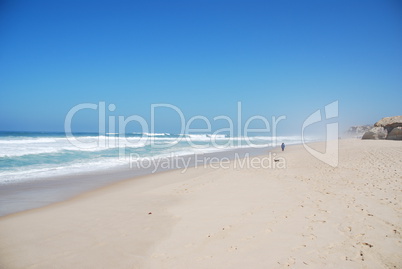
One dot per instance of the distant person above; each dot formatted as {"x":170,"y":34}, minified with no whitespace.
{"x":283,"y":146}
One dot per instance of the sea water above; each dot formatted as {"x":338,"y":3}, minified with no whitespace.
{"x":26,"y":156}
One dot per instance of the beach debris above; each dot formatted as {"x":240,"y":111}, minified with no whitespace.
{"x":150,"y":213}
{"x":367,"y":244}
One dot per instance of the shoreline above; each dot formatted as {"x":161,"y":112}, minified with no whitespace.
{"x":308,"y":214}
{"x":25,"y":195}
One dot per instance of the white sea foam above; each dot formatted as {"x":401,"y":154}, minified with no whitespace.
{"x":25,"y":158}
{"x":152,"y":134}
{"x":50,"y":170}
{"x":22,"y":147}
{"x":33,"y":146}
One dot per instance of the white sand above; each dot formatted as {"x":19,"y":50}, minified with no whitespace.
{"x":308,"y":215}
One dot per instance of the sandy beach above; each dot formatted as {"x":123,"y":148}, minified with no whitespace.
{"x":305,"y":215}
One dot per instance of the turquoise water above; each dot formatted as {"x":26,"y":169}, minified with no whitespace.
{"x":27,"y":156}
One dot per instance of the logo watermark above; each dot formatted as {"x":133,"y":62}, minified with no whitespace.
{"x":172,"y":161}
{"x":331,"y":154}
{"x":113,"y":134}
{"x":118,"y":125}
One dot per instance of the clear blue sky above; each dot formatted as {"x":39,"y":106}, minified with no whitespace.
{"x":276,"y":57}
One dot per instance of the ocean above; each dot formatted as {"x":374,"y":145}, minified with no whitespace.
{"x":26,"y":156}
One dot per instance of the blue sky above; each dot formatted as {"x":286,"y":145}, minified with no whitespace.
{"x":276,"y":57}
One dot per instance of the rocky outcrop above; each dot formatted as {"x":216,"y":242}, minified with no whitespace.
{"x":389,"y":123}
{"x":395,"y":134}
{"x":358,"y":131}
{"x":386,"y":128}
{"x":376,"y":133}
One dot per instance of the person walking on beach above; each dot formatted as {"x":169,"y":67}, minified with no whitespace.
{"x":283,"y":146}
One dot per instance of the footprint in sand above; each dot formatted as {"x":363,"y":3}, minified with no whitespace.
{"x":268,"y":231}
